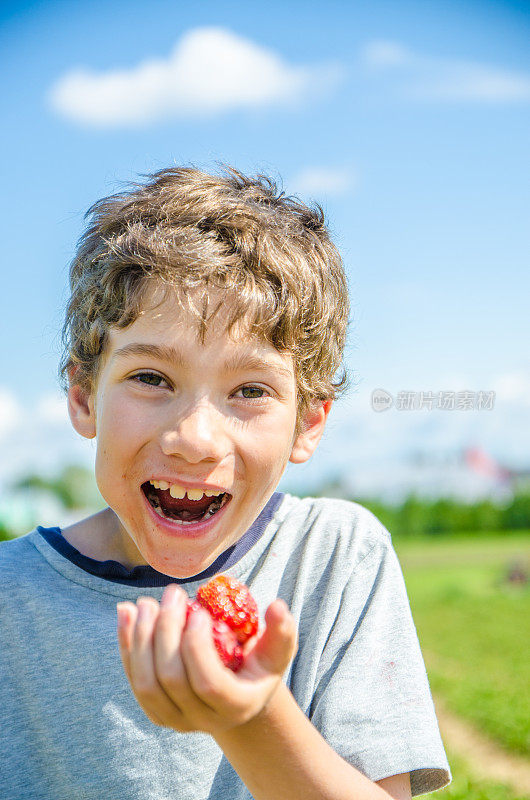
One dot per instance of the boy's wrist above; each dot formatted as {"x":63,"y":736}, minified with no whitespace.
{"x":259,"y":724}
{"x":276,"y":698}
{"x":279,"y":754}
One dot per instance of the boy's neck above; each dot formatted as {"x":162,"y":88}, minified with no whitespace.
{"x":97,"y":537}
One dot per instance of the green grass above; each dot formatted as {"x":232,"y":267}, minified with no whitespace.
{"x":474,"y":629}
{"x":465,"y":787}
{"x":466,"y":547}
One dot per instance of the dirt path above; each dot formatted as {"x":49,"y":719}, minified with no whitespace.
{"x":484,"y":757}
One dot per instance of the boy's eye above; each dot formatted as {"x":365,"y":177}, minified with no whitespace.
{"x":149,"y":378}
{"x":252,"y":392}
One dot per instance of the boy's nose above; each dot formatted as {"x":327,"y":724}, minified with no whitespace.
{"x":197,"y":435}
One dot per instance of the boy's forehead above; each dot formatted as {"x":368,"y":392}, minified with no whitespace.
{"x":165,"y":322}
{"x":164,"y":314}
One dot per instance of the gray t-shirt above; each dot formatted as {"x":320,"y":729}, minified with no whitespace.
{"x":71,"y":727}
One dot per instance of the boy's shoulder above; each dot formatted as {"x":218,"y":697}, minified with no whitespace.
{"x":20,"y":556}
{"x":12,"y":550}
{"x":340,"y":512}
{"x":18,"y":563}
{"x":331,"y":524}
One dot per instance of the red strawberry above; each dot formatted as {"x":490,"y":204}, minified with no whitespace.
{"x":229,"y":600}
{"x":227,"y":645}
{"x":224,"y":639}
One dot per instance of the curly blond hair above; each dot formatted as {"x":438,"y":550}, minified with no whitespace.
{"x":189,"y":230}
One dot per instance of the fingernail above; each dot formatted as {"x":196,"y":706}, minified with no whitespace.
{"x":197,"y":618}
{"x":171,"y":597}
{"x":144,"y":612}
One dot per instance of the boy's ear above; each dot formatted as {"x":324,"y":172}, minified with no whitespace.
{"x":81,"y":410}
{"x":313,"y":425}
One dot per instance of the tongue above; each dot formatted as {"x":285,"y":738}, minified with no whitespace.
{"x":189,"y":509}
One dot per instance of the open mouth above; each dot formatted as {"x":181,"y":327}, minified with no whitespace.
{"x":184,"y":510}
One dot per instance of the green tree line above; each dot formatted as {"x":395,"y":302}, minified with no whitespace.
{"x":416,"y":516}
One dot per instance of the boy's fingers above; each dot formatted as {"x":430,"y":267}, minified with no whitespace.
{"x":232,"y":697}
{"x":127,"y":613}
{"x":279,"y":642}
{"x":141,"y":661}
{"x":141,"y":670}
{"x":188,"y":682}
{"x":166,"y":646}
{"x":210,"y":680}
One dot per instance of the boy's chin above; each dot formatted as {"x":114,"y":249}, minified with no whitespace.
{"x":183,"y":566}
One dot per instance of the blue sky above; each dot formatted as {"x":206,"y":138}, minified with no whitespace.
{"x":407,"y":121}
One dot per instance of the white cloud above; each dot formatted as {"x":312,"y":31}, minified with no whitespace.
{"x":473,"y":82}
{"x":380,"y":53}
{"x":9,"y":412}
{"x":52,"y":409}
{"x":322,"y":180}
{"x":432,"y":78}
{"x":210,"y":71}
{"x":38,"y":439}
{"x":514,"y":387}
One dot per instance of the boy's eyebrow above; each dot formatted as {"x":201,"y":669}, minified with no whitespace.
{"x":160,"y":351}
{"x":165,"y":353}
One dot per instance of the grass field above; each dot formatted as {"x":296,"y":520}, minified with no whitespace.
{"x":465,"y":787}
{"x":474,"y":630}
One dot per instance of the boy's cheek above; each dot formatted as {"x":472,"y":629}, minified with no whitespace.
{"x":121,"y":431}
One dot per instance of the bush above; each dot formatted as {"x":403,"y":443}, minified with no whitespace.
{"x":416,"y":517}
{"x":5,"y":532}
{"x":517,"y":514}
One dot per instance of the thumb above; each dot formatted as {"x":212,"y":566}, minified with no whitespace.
{"x":279,"y":641}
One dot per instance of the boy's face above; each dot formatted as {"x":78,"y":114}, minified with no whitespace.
{"x":216,"y":417}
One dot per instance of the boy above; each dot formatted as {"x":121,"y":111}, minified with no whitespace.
{"x":206,"y":323}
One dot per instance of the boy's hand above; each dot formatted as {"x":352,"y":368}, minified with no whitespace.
{"x":177,"y":675}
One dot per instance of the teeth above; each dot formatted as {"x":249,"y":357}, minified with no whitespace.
{"x":179,"y":492}
{"x":195,"y":494}
{"x":213,"y":508}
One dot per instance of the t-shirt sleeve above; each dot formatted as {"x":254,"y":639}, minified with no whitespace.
{"x":372,"y":702}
